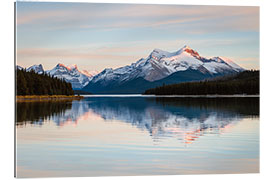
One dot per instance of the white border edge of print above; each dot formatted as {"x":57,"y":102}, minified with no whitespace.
{"x":7,"y":74}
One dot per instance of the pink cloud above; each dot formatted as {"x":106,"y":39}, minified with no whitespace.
{"x":144,"y":16}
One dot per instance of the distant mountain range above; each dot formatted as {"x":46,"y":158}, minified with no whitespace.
{"x":71,"y":74}
{"x":160,"y":67}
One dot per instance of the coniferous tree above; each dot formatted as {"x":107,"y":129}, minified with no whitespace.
{"x":31,"y":83}
{"x":246,"y":82}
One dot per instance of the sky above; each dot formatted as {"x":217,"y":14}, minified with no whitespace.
{"x":98,"y":36}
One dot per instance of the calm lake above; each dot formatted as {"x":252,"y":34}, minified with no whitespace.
{"x":137,"y":135}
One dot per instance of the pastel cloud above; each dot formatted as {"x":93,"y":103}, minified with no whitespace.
{"x":113,"y":35}
{"x":120,"y":54}
{"x":130,"y":16}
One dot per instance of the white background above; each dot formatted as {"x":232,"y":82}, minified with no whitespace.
{"x":7,"y":89}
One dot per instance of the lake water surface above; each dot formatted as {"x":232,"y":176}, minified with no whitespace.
{"x":137,"y":135}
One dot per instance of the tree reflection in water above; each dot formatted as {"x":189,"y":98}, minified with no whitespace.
{"x":38,"y":112}
{"x":183,"y":118}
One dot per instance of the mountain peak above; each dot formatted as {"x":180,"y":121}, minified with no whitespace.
{"x":36,"y":68}
{"x":19,"y":67}
{"x":186,"y":47}
{"x":37,"y":65}
{"x":70,"y":74}
{"x":73,"y":66}
{"x":60,"y":65}
{"x":157,"y":54}
{"x":230,"y":62}
{"x":190,"y":51}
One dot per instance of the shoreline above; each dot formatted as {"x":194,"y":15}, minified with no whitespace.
{"x":152,"y":95}
{"x":27,"y":98}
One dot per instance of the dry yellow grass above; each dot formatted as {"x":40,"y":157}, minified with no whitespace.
{"x":27,"y":98}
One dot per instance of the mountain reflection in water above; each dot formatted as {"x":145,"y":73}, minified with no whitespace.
{"x":183,"y":118}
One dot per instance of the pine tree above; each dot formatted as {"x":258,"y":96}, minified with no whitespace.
{"x":31,"y":83}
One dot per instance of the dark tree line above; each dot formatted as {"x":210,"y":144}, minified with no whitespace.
{"x":37,"y":112}
{"x":241,"y":106}
{"x":31,"y":83}
{"x":246,"y":82}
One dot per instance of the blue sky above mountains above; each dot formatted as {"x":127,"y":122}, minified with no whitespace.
{"x":98,"y":36}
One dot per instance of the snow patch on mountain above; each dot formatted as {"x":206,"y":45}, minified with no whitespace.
{"x":70,"y":74}
{"x":231,"y":63}
{"x":19,"y":67}
{"x":36,"y":68}
{"x":90,"y":73}
{"x":160,"y":64}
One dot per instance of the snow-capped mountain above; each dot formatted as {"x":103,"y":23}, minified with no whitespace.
{"x":36,"y":68}
{"x":19,"y":67}
{"x":89,"y":73}
{"x":70,"y":74}
{"x":158,"y":66}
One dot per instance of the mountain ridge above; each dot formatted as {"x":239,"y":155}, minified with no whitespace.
{"x":158,"y":67}
{"x":71,"y":73}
